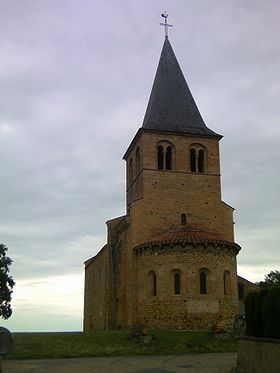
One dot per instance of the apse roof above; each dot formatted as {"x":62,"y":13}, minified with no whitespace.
{"x":191,"y":233}
{"x":171,"y":106}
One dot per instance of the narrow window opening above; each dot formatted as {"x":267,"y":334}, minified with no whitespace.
{"x":193,"y":160}
{"x":202,"y":282}
{"x":226,"y":282}
{"x":160,"y":157}
{"x":177,"y":283}
{"x":240,"y":291}
{"x":183,"y":219}
{"x":151,"y":284}
{"x":137,"y":163}
{"x":168,"y":158}
{"x":201,"y":161}
{"x":130,"y":172}
{"x":154,"y":284}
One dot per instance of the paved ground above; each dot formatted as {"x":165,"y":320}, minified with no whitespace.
{"x":199,"y":363}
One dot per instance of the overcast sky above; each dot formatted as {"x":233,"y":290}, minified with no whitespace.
{"x":75,"y":79}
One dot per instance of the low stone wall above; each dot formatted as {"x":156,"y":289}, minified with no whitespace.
{"x":258,"y":355}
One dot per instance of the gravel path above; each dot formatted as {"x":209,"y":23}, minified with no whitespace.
{"x":198,"y":363}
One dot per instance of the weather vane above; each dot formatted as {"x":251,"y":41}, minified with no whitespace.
{"x":165,"y":24}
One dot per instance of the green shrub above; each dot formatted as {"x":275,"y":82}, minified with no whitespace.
{"x":262,"y":311}
{"x":250,"y":313}
{"x":271,"y":313}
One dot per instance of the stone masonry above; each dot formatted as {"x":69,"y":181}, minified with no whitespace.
{"x":170,"y":262}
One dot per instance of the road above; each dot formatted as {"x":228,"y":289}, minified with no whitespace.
{"x":196,"y":363}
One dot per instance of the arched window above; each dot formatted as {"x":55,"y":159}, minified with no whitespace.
{"x":193,"y":160}
{"x":201,"y":161}
{"x":226,"y":283}
{"x":165,"y":156}
{"x":240,"y":290}
{"x":168,"y":158}
{"x":160,"y":157}
{"x":137,"y":161}
{"x":197,"y":158}
{"x":130,"y":172}
{"x":177,"y":285}
{"x":202,"y":282}
{"x":183,"y":219}
{"x":152,"y":284}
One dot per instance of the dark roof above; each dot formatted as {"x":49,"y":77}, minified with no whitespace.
{"x":171,"y":106}
{"x":191,"y":233}
{"x":244,"y":280}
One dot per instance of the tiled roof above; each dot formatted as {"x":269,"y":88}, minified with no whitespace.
{"x":171,"y":106}
{"x":191,"y":233}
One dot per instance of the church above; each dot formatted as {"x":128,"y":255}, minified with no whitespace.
{"x":170,"y":262}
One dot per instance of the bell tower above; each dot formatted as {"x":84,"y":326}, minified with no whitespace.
{"x":170,"y":261}
{"x":173,"y":162}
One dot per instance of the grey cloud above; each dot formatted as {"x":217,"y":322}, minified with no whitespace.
{"x":75,"y":80}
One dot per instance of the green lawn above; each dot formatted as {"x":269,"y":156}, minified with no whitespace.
{"x":116,"y":343}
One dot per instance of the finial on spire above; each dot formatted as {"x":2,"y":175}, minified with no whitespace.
{"x":165,"y":24}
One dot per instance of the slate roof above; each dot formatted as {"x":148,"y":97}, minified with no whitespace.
{"x":171,"y":106}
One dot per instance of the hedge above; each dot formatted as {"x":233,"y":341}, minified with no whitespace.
{"x":262,"y":311}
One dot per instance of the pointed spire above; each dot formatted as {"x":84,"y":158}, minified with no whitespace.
{"x":171,"y":106}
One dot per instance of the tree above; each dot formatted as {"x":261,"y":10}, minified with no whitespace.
{"x":6,"y":283}
{"x":272,"y":278}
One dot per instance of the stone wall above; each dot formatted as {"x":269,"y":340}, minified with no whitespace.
{"x":189,"y":309}
{"x":157,"y":198}
{"x":258,"y":355}
{"x":95,"y":297}
{"x":244,"y":288}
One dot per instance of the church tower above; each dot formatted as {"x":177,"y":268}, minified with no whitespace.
{"x":170,"y":262}
{"x":173,"y":165}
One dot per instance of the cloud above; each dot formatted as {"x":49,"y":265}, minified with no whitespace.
{"x":75,"y":81}
{"x":39,"y":304}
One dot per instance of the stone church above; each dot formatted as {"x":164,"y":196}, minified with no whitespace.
{"x":170,"y":262}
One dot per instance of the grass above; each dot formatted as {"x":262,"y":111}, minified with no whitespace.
{"x":116,"y":343}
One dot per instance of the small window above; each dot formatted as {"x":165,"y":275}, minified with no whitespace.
{"x":197,"y":158}
{"x":165,"y":156}
{"x":160,"y":157}
{"x":202,"y":282}
{"x":226,"y":282}
{"x":137,"y":161}
{"x":240,"y":291}
{"x":152,"y":284}
{"x":177,"y":283}
{"x":193,"y":160}
{"x":183,"y":219}
{"x":130,"y":172}
{"x":201,"y":161}
{"x":168,"y":158}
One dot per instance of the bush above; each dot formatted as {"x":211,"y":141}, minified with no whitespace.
{"x":250,"y":313}
{"x":262,"y":311}
{"x":271,"y":312}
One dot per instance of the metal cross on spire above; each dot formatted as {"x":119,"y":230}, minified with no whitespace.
{"x":165,"y":24}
